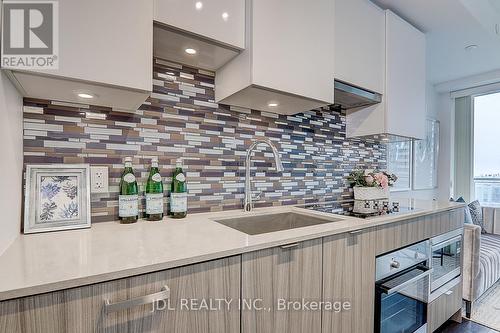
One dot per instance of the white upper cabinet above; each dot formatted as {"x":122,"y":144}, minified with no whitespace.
{"x":222,"y":21}
{"x":287,"y":66}
{"x":213,"y":31}
{"x":402,"y":112}
{"x":360,"y":44}
{"x":405,"y":78}
{"x":105,"y":49}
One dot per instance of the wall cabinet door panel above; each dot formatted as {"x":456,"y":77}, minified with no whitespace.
{"x":360,"y":44}
{"x":222,"y":21}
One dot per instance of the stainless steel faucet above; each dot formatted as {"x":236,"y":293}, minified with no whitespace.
{"x":248,"y":203}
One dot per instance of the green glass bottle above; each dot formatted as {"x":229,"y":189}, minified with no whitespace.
{"x":178,"y":193}
{"x":128,"y":209}
{"x":154,"y":193}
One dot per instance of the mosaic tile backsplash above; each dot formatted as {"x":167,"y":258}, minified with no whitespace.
{"x":181,"y":119}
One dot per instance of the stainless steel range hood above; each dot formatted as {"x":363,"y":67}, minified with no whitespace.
{"x":350,"y":97}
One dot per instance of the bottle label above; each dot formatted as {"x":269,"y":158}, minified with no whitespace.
{"x":154,"y":203}
{"x":128,"y":205}
{"x":129,"y":178}
{"x":156,"y":177}
{"x":178,"y":202}
{"x":180,"y":177}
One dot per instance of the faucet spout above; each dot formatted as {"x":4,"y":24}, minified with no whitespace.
{"x":248,"y":202}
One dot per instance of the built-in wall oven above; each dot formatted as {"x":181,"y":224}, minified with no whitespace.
{"x":402,"y":289}
{"x":446,"y":260}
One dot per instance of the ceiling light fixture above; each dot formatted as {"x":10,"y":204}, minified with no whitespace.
{"x":198,"y":5}
{"x":471,"y":47}
{"x":190,"y":51}
{"x":272,"y":104}
{"x":84,"y":95}
{"x":225,"y":16}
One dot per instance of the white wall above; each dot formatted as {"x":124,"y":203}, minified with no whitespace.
{"x":11,"y":164}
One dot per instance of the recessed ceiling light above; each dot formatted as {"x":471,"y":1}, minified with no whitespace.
{"x":225,"y":16}
{"x":272,"y":104}
{"x":190,"y":51}
{"x":471,"y":47}
{"x":84,"y":95}
{"x":198,"y":5}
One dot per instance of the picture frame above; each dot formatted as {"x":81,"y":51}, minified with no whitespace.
{"x":57,"y":197}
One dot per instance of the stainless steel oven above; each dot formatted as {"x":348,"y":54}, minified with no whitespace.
{"x":402,"y":290}
{"x":446,"y":258}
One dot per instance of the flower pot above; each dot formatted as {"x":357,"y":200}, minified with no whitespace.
{"x":370,"y":193}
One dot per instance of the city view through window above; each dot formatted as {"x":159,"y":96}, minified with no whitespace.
{"x":487,"y":148}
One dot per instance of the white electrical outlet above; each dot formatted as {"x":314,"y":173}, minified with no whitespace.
{"x":99,"y":179}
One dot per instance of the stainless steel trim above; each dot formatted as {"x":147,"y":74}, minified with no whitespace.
{"x":289,"y":246}
{"x":408,"y":282}
{"x":443,"y":280}
{"x":441,"y":238}
{"x":445,"y":288}
{"x":130,"y":303}
{"x":407,"y":257}
{"x":447,"y":242}
{"x":349,"y":96}
{"x":422,"y":329}
{"x":348,"y":88}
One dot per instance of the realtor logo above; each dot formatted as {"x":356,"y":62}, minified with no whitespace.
{"x":30,"y":34}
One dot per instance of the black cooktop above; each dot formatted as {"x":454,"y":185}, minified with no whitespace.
{"x":346,"y":208}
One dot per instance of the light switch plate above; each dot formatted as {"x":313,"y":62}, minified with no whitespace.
{"x":99,"y":179}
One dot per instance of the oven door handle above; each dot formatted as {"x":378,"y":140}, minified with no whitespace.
{"x":446,"y":242}
{"x":405,"y":284}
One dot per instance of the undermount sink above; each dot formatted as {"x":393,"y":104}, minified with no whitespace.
{"x":261,"y":224}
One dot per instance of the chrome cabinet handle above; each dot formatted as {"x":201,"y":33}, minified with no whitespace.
{"x":449,"y":292}
{"x":355,"y":232}
{"x":289,"y":246}
{"x":130,"y":303}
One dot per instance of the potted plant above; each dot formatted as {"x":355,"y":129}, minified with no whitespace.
{"x":371,"y":184}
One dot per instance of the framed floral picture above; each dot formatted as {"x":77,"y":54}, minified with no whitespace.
{"x":57,"y":197}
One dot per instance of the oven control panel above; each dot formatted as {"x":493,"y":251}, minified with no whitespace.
{"x":399,"y":260}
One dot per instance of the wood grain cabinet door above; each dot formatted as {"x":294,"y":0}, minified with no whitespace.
{"x":275,"y":282}
{"x":441,"y":309}
{"x":196,"y":304}
{"x":349,"y":282}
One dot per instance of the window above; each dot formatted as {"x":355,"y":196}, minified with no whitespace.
{"x":399,"y":163}
{"x":486,"y":152}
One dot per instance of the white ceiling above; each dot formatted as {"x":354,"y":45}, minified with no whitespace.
{"x":451,"y":25}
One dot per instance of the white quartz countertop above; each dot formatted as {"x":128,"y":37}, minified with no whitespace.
{"x":39,"y":263}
